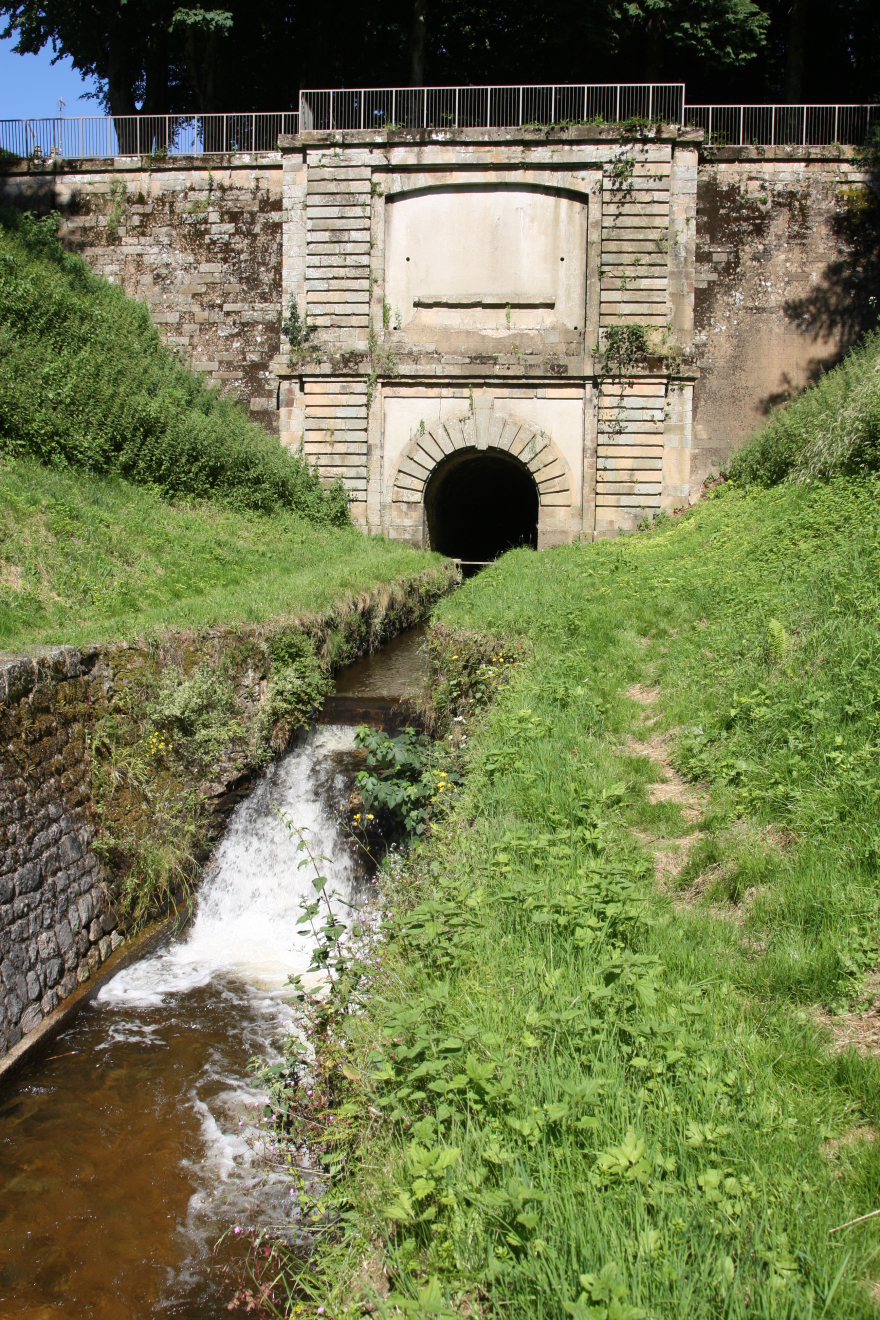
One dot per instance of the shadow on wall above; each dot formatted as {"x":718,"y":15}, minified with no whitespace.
{"x":846,"y":303}
{"x":481,"y":503}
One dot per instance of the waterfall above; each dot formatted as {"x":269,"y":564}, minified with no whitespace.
{"x":249,"y":902}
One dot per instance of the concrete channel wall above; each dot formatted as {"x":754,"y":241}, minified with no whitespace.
{"x":465,"y":288}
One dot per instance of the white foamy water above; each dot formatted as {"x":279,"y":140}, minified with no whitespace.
{"x":249,"y":902}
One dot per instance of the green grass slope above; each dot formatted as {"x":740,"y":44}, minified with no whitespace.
{"x":86,"y":382}
{"x":133,"y":499}
{"x":594,"y":1073}
{"x":89,"y":558}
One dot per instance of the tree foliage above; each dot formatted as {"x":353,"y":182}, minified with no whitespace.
{"x":159,"y":58}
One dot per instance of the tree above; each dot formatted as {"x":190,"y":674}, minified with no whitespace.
{"x":159,"y":58}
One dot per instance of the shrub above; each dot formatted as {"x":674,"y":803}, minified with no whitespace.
{"x":191,"y":717}
{"x":297,"y":686}
{"x":86,"y":382}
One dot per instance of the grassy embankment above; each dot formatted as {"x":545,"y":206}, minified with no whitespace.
{"x":593,"y":1074}
{"x":133,"y":499}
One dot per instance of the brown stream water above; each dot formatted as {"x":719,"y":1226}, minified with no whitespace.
{"x":139,"y":1142}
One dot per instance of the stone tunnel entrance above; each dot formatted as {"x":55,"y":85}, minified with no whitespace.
{"x":480,"y":503}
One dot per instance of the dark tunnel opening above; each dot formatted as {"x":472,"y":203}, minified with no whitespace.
{"x":480,"y":503}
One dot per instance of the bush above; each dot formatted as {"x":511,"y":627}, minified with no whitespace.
{"x":832,"y":429}
{"x":297,"y":687}
{"x":86,"y":382}
{"x":191,"y":717}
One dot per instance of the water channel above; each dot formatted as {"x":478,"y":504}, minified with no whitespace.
{"x":128,"y":1151}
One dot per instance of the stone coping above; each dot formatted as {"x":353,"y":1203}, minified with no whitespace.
{"x":529,"y":134}
{"x":230,"y":160}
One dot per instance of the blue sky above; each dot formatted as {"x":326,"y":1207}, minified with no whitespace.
{"x":30,"y":85}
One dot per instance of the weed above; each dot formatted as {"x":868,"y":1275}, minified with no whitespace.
{"x":299,"y":334}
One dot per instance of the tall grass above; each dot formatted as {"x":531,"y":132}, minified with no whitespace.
{"x":86,"y":382}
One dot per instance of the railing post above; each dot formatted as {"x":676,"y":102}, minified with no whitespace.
{"x":553,"y":104}
{"x":710,"y":125}
{"x":253,"y":131}
{"x":488,"y":106}
{"x":520,"y":105}
{"x":393,"y":105}
{"x":650,"y":100}
{"x":109,"y":136}
{"x":456,"y":109}
{"x":362,"y":106}
{"x":804,"y":143}
{"x":425,"y":110}
{"x":773,"y":126}
{"x":836,"y":113}
{"x":741,"y":113}
{"x":331,"y":112}
{"x":617,"y":106}
{"x":82,"y":147}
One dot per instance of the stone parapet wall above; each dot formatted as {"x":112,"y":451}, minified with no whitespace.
{"x":200,"y":242}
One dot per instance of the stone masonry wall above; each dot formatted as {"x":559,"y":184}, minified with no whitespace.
{"x":788,"y":258}
{"x":199,"y":243}
{"x":57,"y":924}
{"x":755,"y":267}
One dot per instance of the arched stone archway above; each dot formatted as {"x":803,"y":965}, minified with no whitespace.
{"x":481,"y":430}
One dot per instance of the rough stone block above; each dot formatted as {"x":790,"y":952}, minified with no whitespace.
{"x":30,"y":1018}
{"x":27,"y":878}
{"x":47,"y":944}
{"x":34,"y":988}
{"x":70,"y":850}
{"x":83,"y":972}
{"x":105,"y":947}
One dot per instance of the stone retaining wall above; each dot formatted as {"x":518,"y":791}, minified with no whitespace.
{"x":199,"y":243}
{"x":57,"y":924}
{"x":787,"y":265}
{"x":751,"y":269}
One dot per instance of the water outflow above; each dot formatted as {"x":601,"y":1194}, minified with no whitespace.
{"x":249,"y":902}
{"x":127,"y":1153}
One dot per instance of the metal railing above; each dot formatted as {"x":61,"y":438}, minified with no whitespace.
{"x":84,"y":137}
{"x":783,"y":125}
{"x":488,"y":107}
{"x":102,"y":137}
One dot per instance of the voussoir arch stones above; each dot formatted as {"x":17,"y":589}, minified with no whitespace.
{"x":534,"y":449}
